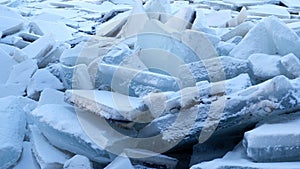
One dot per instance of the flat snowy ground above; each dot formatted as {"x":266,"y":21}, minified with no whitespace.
{"x":131,"y":84}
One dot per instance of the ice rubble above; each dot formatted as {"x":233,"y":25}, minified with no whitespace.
{"x":206,"y":68}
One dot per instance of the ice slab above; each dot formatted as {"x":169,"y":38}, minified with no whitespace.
{"x":107,"y":104}
{"x":76,"y":77}
{"x":268,"y":10}
{"x":182,"y":19}
{"x":41,"y":80}
{"x":291,"y":64}
{"x":10,"y":26}
{"x":67,"y":133}
{"x":58,"y":30}
{"x":216,"y":69}
{"x":78,"y":162}
{"x":261,"y":72}
{"x":51,"y":96}
{"x":39,"y":48}
{"x":134,"y":82}
{"x":11,"y":110}
{"x":275,"y":140}
{"x":238,"y":159}
{"x":47,"y":156}
{"x":237,"y":111}
{"x":21,"y":73}
{"x":270,"y":36}
{"x":240,"y":30}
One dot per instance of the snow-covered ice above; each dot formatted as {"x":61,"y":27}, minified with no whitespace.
{"x":67,"y":133}
{"x":12,"y":129}
{"x":275,"y":140}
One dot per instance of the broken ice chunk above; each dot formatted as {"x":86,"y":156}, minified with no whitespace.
{"x":51,"y":96}
{"x":46,"y":155}
{"x":240,"y":30}
{"x":276,"y":140}
{"x":41,"y":80}
{"x":58,"y":30}
{"x":270,"y":36}
{"x":238,"y":159}
{"x":22,"y":72}
{"x":264,"y":66}
{"x":78,"y":162}
{"x":76,"y":77}
{"x":292,"y":65}
{"x":134,"y":82}
{"x":268,"y":10}
{"x":12,"y":129}
{"x":107,"y":104}
{"x":66,"y":133}
{"x":40,"y":47}
{"x":216,"y":69}
{"x":10,"y":26}
{"x":182,"y":19}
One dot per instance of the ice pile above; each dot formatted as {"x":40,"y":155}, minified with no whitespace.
{"x":154,"y":84}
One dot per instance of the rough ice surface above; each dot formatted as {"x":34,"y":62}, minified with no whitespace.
{"x":107,"y":104}
{"x":268,"y":142}
{"x":78,"y":162}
